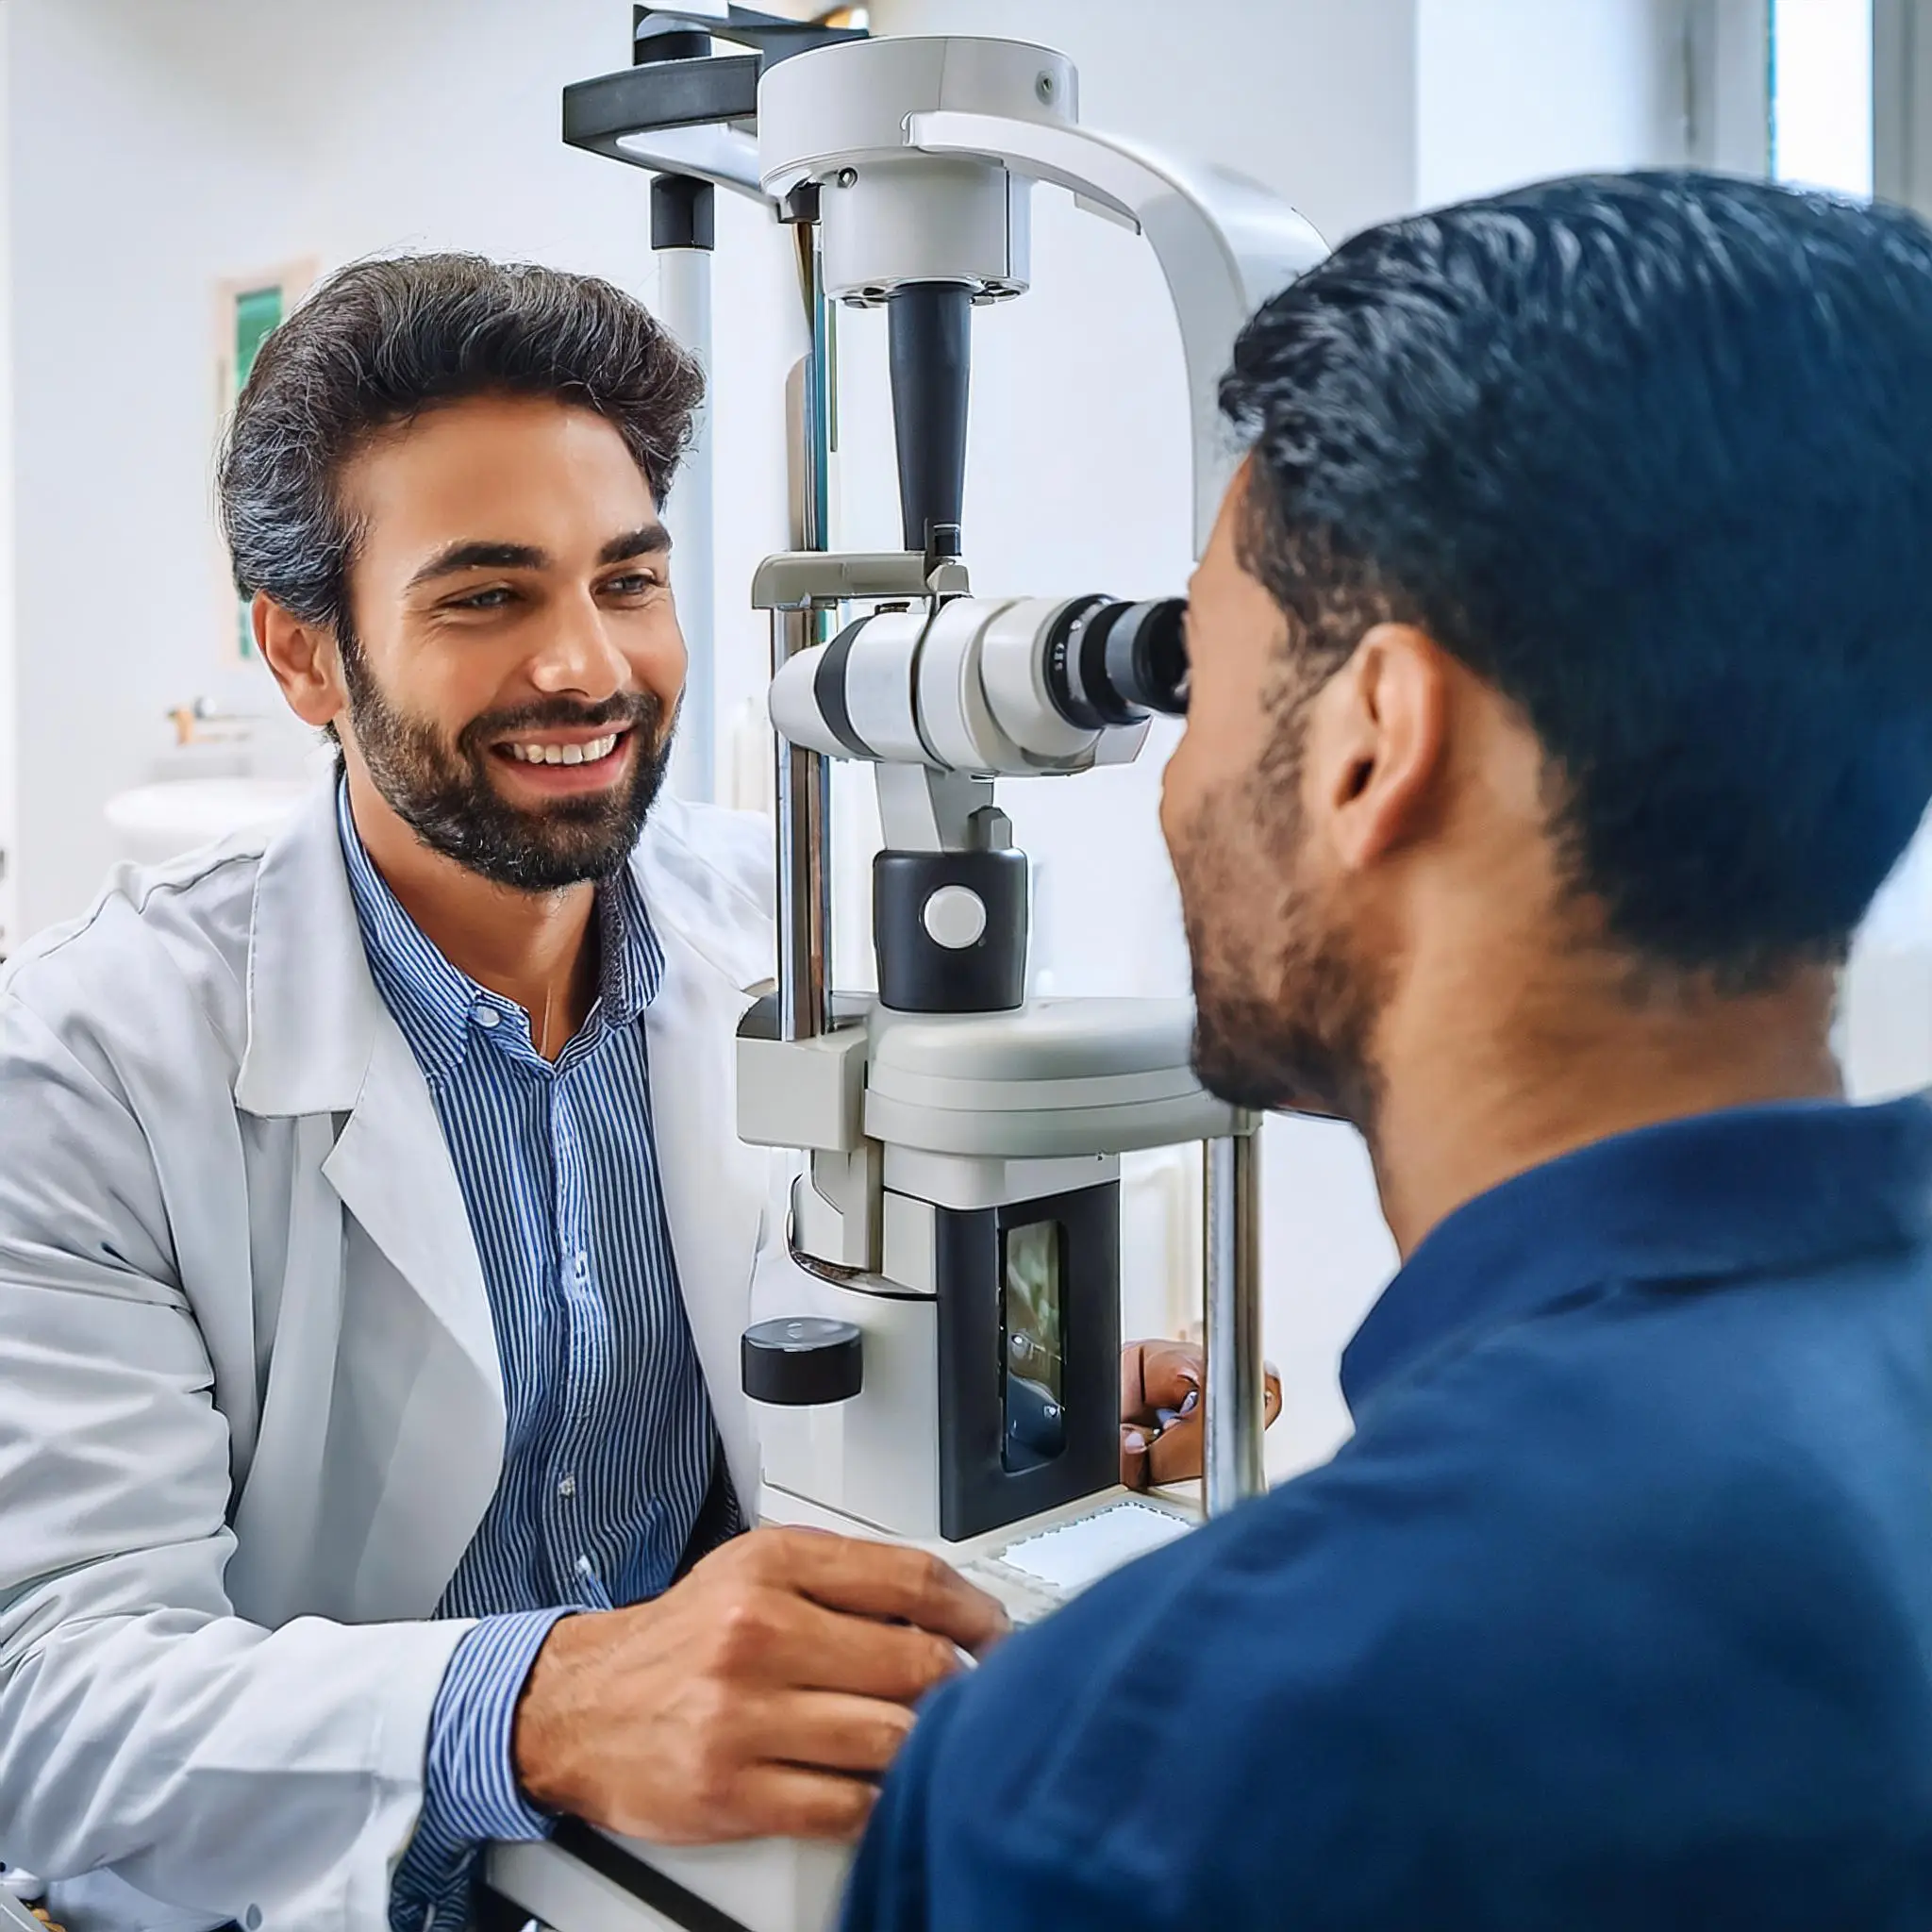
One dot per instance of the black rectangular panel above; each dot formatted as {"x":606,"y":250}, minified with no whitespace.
{"x":979,"y":1300}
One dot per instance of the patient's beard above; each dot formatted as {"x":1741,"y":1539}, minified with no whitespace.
{"x":444,"y":792}
{"x":1286,"y":999}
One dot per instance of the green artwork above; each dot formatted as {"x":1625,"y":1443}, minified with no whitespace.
{"x":257,"y":312}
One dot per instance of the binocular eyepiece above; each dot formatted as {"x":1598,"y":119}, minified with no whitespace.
{"x":1109,"y":663}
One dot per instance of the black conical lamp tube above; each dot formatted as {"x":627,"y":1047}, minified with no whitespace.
{"x":930,"y":327}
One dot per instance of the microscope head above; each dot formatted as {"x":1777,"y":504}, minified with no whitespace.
{"x":892,"y":215}
{"x":914,"y":217}
{"x":988,"y":688}
{"x":923,"y":235}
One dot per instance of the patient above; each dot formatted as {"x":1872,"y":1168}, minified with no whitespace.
{"x":1562,"y":693}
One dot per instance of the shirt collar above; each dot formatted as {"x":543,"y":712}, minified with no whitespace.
{"x":633,"y":959}
{"x":1750,"y":1190}
{"x":435,"y":1004}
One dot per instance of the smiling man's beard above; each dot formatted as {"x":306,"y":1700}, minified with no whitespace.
{"x":443,"y":790}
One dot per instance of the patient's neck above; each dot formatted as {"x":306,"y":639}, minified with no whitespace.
{"x":1490,"y":1071}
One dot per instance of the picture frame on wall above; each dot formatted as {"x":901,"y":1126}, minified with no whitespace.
{"x":247,"y":308}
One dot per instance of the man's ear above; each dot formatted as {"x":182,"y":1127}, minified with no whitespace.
{"x":305,"y":661}
{"x":1378,"y":747}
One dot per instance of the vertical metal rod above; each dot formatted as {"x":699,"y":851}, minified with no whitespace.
{"x":815,"y":524}
{"x":798,"y":799}
{"x":684,"y":305}
{"x":802,"y":791}
{"x":1236,"y":1412}
{"x":816,"y":781}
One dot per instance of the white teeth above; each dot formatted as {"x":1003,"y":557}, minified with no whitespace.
{"x":566,"y":753}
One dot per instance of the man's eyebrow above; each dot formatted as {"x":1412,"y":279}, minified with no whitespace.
{"x":647,"y":540}
{"x":475,"y":556}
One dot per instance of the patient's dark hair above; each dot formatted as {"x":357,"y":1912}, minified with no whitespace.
{"x":381,"y":341}
{"x":1652,"y":454}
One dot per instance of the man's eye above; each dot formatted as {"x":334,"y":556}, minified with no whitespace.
{"x":492,"y":599}
{"x":632,"y":584}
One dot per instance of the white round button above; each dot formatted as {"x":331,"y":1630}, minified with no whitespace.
{"x":954,"y":916}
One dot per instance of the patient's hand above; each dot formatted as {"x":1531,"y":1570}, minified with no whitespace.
{"x":1157,"y":1376}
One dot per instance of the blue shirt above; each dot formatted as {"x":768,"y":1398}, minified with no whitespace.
{"x":1615,"y":1612}
{"x":609,"y":1446}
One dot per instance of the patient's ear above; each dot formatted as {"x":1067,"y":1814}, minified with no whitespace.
{"x":303,"y":656}
{"x":1378,"y":736}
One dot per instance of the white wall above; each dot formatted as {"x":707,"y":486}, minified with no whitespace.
{"x":122,"y":218}
{"x":1512,"y":90}
{"x":10,"y":791}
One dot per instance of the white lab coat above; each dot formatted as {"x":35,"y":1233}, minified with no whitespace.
{"x":250,"y":1405}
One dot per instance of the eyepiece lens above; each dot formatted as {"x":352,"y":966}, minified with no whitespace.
{"x":1161,"y":657}
{"x":1111,"y":662}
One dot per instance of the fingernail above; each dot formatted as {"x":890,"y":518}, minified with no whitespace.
{"x":1192,"y":1399}
{"x":1135,"y":1440}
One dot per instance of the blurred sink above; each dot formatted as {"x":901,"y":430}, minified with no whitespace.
{"x":153,"y":823}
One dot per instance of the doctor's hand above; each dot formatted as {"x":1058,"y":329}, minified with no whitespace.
{"x":760,"y":1696}
{"x":1162,"y":1408}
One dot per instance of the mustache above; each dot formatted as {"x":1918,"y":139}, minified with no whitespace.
{"x":635,"y":711}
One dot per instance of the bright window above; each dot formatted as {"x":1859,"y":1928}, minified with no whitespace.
{"x":1821,"y":93}
{"x":1820,"y":136}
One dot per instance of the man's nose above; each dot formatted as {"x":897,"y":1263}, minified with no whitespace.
{"x":578,"y":656}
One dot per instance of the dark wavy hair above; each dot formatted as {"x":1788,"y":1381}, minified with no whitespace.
{"x":1652,"y":454}
{"x":381,"y":341}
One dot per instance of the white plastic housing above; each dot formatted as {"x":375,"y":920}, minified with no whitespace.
{"x":1055,"y":1079}
{"x":1225,"y":243}
{"x":879,"y":686}
{"x":911,"y":219}
{"x":1012,"y":671}
{"x":960,"y":690}
{"x":954,"y":719}
{"x":888,"y":215}
{"x":876,"y":1456}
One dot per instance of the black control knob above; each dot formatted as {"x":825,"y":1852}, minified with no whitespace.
{"x":949,"y":930}
{"x":802,"y":1361}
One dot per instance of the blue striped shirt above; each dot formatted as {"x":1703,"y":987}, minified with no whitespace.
{"x":609,"y":1446}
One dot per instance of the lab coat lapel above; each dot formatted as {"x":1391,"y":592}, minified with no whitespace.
{"x":441,"y":1419}
{"x":391,"y":1167}
{"x":321,"y":1042}
{"x":713,"y":1184}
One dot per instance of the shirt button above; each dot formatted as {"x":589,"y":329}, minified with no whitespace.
{"x":583,"y":1265}
{"x":485,"y":1016}
{"x":567,"y":1487}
